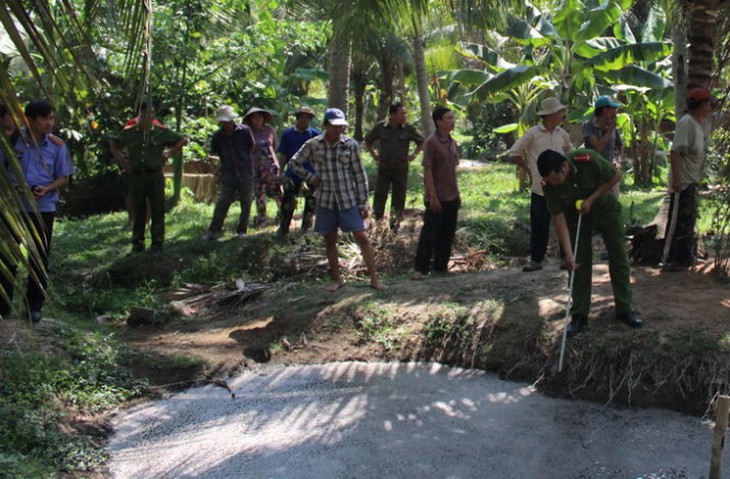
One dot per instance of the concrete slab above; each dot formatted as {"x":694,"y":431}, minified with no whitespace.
{"x":390,"y":420}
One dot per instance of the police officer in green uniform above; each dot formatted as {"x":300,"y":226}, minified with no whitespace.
{"x":585,"y":175}
{"x":389,"y":143}
{"x":149,"y":144}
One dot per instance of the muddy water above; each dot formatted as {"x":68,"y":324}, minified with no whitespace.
{"x":356,"y":420}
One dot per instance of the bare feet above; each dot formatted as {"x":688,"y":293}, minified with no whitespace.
{"x":417,"y":276}
{"x":334,"y":286}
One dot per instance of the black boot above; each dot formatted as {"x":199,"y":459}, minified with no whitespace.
{"x":577,"y":324}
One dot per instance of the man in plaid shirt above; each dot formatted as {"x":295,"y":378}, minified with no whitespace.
{"x":341,"y":192}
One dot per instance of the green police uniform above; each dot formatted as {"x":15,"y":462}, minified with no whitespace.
{"x":589,"y":170}
{"x":393,"y":144}
{"x":146,"y":180}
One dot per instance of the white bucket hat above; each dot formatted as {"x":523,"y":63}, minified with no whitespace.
{"x":225,"y":113}
{"x":549,"y":106}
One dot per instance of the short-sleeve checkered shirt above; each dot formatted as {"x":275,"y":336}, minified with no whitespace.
{"x":339,"y":166}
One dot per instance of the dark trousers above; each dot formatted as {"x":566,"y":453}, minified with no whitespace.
{"x":387,"y":179}
{"x":539,"y":228}
{"x":148,"y":186}
{"x":232,"y":188}
{"x":607,"y":222}
{"x":437,"y":236}
{"x":289,"y":204}
{"x":682,"y":250}
{"x":37,"y":279}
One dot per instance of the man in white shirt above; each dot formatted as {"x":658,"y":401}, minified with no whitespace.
{"x":687,"y":156}
{"x":548,"y":135}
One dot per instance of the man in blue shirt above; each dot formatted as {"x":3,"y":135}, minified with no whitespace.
{"x":46,"y":166}
{"x":291,"y":140}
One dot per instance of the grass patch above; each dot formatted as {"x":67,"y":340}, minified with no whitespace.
{"x":74,"y":371}
{"x":375,"y":322}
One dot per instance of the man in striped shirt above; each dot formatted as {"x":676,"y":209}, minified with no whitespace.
{"x":341,"y":191}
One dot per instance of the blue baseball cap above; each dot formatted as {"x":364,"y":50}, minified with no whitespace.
{"x":606,"y":101}
{"x":334,"y":116}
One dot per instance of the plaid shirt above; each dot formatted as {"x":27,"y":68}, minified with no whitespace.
{"x":339,"y":166}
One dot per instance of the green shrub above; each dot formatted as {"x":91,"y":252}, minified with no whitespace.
{"x":79,"y":371}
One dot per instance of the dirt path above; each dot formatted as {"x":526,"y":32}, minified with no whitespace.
{"x":312,"y":326}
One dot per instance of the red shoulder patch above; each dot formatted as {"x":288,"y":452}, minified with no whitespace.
{"x":582,"y":158}
{"x":56,"y":140}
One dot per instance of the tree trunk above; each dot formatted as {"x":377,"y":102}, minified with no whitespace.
{"x":339,"y":72}
{"x":386,"y":89}
{"x":422,"y":79}
{"x":360,"y":83}
{"x":679,"y":66}
{"x":702,"y":28}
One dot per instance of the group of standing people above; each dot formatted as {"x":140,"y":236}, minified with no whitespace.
{"x":568,"y":186}
{"x":581,"y":187}
{"x":327,"y":167}
{"x":251,"y":166}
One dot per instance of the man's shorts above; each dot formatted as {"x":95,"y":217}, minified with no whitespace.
{"x":327,"y":220}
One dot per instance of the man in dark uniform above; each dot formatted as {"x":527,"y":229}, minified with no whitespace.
{"x":148,"y":146}
{"x":586,"y":176}
{"x":388,"y":142}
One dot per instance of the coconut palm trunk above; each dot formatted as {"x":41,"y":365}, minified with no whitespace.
{"x":703,"y":16}
{"x":339,"y":72}
{"x":422,"y":78}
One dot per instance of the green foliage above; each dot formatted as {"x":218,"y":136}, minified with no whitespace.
{"x":484,"y":142}
{"x":449,"y":322}
{"x":35,"y":436}
{"x":563,"y":52}
{"x":492,"y":209}
{"x":718,"y":201}
{"x":375,"y":323}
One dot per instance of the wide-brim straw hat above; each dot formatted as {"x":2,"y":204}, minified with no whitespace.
{"x":549,"y":106}
{"x":255,"y":109}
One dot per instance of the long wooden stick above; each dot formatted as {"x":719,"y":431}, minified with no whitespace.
{"x":673,"y":215}
{"x":718,"y":442}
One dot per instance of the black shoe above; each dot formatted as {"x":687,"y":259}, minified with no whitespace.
{"x":632,"y":318}
{"x":577,"y":324}
{"x":36,"y":316}
{"x":532,"y":266}
{"x":674,"y":267}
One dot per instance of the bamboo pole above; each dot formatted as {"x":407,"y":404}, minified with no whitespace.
{"x":718,"y":442}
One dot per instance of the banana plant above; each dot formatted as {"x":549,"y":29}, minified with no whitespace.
{"x":569,"y":53}
{"x":568,"y":48}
